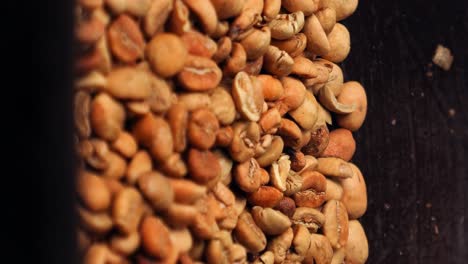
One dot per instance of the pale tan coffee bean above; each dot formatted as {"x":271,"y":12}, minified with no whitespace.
{"x":357,"y":248}
{"x":125,"y":244}
{"x":199,"y":74}
{"x":306,"y":114}
{"x":166,"y":64}
{"x":247,"y":96}
{"x":154,"y":133}
{"x":257,"y":42}
{"x":127,"y":210}
{"x":174,"y":166}
{"x":140,"y":163}
{"x":354,"y":193}
{"x":125,"y":144}
{"x":247,"y":175}
{"x":157,"y":189}
{"x":294,"y":183}
{"x":343,"y":8}
{"x":271,"y":87}
{"x":272,"y":153}
{"x":308,"y":7}
{"x":181,"y":239}
{"x":287,"y":206}
{"x":334,"y":167}
{"x":320,"y":251}
{"x":116,"y":166}
{"x":335,"y":227}
{"x":156,"y":16}
{"x":265,"y":196}
{"x":272,"y":222}
{"x":206,"y":14}
{"x":202,"y":128}
{"x":285,"y":26}
{"x":223,"y":106}
{"x":107,"y":117}
{"x":294,"y":46}
{"x":198,"y":44}
{"x":81,"y":113}
{"x":311,"y":218}
{"x":271,"y":9}
{"x":338,"y":256}
{"x":155,"y":237}
{"x":277,"y":62}
{"x":93,"y":192}
{"x":249,"y":234}
{"x":301,"y":241}
{"x":193,"y":101}
{"x":161,"y":97}
{"x":327,"y":18}
{"x":353,"y":92}
{"x":95,"y":222}
{"x":334,"y":190}
{"x":181,"y":215}
{"x":280,"y":245}
{"x":340,"y":45}
{"x":293,"y":97}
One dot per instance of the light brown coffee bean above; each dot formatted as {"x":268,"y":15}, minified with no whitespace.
{"x":155,"y":237}
{"x":81,"y":113}
{"x":340,"y":46}
{"x":357,"y":248}
{"x":156,"y":16}
{"x":174,"y":166}
{"x":156,"y":189}
{"x":270,"y":121}
{"x":290,"y":132}
{"x":293,"y":97}
{"x":294,"y":46}
{"x":277,"y":62}
{"x":237,"y":60}
{"x":247,"y":96}
{"x":107,"y":117}
{"x":125,"y":144}
{"x":311,"y":218}
{"x":199,"y":74}
{"x":204,"y":226}
{"x":265,"y":196}
{"x":354,"y":193}
{"x":272,"y":222}
{"x":181,"y":215}
{"x":334,"y":191}
{"x":310,"y":163}
{"x":95,"y":222}
{"x":320,"y":251}
{"x":140,"y":163}
{"x":308,"y":7}
{"x":285,"y":26}
{"x":280,"y":245}
{"x":216,"y":253}
{"x":164,"y":63}
{"x":257,"y":42}
{"x":287,"y":206}
{"x":202,"y":128}
{"x":181,"y":239}
{"x":271,"y":87}
{"x":343,"y":9}
{"x":93,"y":192}
{"x":198,"y":44}
{"x":317,"y":41}
{"x":272,"y":153}
{"x":179,"y":22}
{"x":178,"y":121}
{"x":249,"y":234}
{"x":224,"y":136}
{"x":224,"y":49}
{"x":327,"y":18}
{"x":161,"y":96}
{"x":293,"y":183}
{"x":126,"y":39}
{"x":353,"y":92}
{"x":341,"y":145}
{"x":127,"y":210}
{"x":116,"y":166}
{"x":186,"y":191}
{"x":318,"y":142}
{"x":203,"y":166}
{"x":223,"y":106}
{"x":279,"y":172}
{"x":125,"y":244}
{"x":154,"y":133}
{"x":306,"y":114}
{"x":313,"y":189}
{"x":247,"y":175}
{"x":271,"y":9}
{"x":334,"y":167}
{"x":335,"y":227}
{"x":301,"y":241}
{"x":206,"y":14}
{"x":101,"y":253}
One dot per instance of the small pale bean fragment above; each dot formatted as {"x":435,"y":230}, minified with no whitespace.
{"x":301,"y":241}
{"x":272,"y":153}
{"x":179,"y":22}
{"x":306,"y":114}
{"x":181,"y":239}
{"x":160,"y":98}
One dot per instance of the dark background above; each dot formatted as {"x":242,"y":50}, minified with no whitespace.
{"x":413,"y":153}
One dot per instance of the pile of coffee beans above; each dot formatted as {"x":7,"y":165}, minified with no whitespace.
{"x":217,"y":131}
